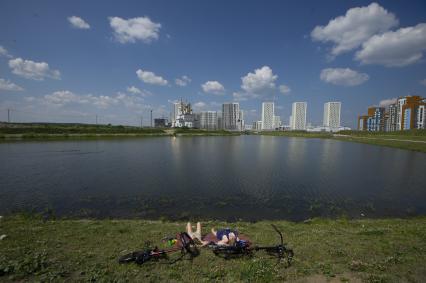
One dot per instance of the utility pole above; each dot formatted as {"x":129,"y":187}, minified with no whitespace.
{"x":96,"y":119}
{"x":141,"y":121}
{"x":151,"y":118}
{"x":8,"y":115}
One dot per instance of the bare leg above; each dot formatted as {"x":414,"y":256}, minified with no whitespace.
{"x":189,"y":228}
{"x":198,"y":228}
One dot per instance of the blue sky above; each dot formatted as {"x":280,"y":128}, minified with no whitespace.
{"x":120,"y":59}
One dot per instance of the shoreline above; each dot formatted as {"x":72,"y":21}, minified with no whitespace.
{"x":414,"y":140}
{"x":347,"y":250}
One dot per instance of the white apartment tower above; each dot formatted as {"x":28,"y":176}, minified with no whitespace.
{"x":298,"y":116}
{"x":208,"y":120}
{"x":268,"y":116}
{"x":231,"y":116}
{"x":421,"y":113}
{"x":277,"y":122}
{"x":332,"y":115}
{"x":176,"y":111}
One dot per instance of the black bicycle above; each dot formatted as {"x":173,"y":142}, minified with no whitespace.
{"x":244,"y":248}
{"x":183,"y":243}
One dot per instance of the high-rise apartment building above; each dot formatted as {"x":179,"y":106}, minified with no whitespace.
{"x":332,"y":115}
{"x":241,"y":122}
{"x":257,"y":126}
{"x":231,"y":116}
{"x":410,"y":112}
{"x":393,"y":117}
{"x":176,"y":111}
{"x":421,"y":112}
{"x":208,"y":120}
{"x":268,"y":116}
{"x":376,"y":119}
{"x":405,"y":114}
{"x":362,"y":122}
{"x":298,"y":116}
{"x":277,"y":122}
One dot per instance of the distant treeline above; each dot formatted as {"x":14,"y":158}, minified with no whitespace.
{"x":49,"y":128}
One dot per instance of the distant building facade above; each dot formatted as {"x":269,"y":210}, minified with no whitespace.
{"x":268,"y":116}
{"x":277,"y":122}
{"x":257,"y":126}
{"x":298,"y":116}
{"x":231,"y":116}
{"x":405,"y":114}
{"x":332,"y":115}
{"x":421,"y":112}
{"x":184,"y":116}
{"x":208,"y":120}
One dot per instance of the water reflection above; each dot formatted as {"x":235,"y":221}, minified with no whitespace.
{"x":249,"y":177}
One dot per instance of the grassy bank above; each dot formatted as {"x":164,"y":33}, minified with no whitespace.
{"x":390,"y":250}
{"x":48,"y":131}
{"x":412,"y":140}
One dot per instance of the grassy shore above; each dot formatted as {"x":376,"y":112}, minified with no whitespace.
{"x":412,"y":140}
{"x":48,"y":131}
{"x":388,"y":250}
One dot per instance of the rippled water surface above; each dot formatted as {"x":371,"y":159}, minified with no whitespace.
{"x":245,"y":177}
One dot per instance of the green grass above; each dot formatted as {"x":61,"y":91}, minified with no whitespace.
{"x":388,"y":250}
{"x":399,"y":134}
{"x":412,"y":140}
{"x":49,"y":131}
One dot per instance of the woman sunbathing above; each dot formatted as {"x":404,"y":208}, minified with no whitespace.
{"x":221,"y":236}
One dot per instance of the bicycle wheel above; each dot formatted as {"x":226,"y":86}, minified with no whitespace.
{"x":127,"y":258}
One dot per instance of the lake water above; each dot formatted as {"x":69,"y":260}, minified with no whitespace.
{"x":231,"y":178}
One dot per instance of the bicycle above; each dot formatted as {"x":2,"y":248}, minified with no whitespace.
{"x":183,"y":243}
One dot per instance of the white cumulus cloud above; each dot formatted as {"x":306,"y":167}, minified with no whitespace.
{"x":4,"y":52}
{"x":243,"y":96}
{"x":183,"y":81}
{"x":355,"y":27}
{"x":9,"y":86}
{"x":78,"y":22}
{"x":284,"y":89}
{"x":398,"y":48}
{"x":213,"y":87}
{"x":387,"y":102}
{"x":260,"y":81}
{"x":134,"y":90}
{"x":33,"y":70}
{"x":343,"y":76}
{"x":63,"y":97}
{"x":151,"y":78}
{"x":66,"y":97}
{"x":131,"y":30}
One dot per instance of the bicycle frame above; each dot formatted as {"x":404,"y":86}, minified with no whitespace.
{"x":187,"y":246}
{"x":280,"y":250}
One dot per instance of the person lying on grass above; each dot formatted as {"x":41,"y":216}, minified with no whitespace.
{"x":225,"y":236}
